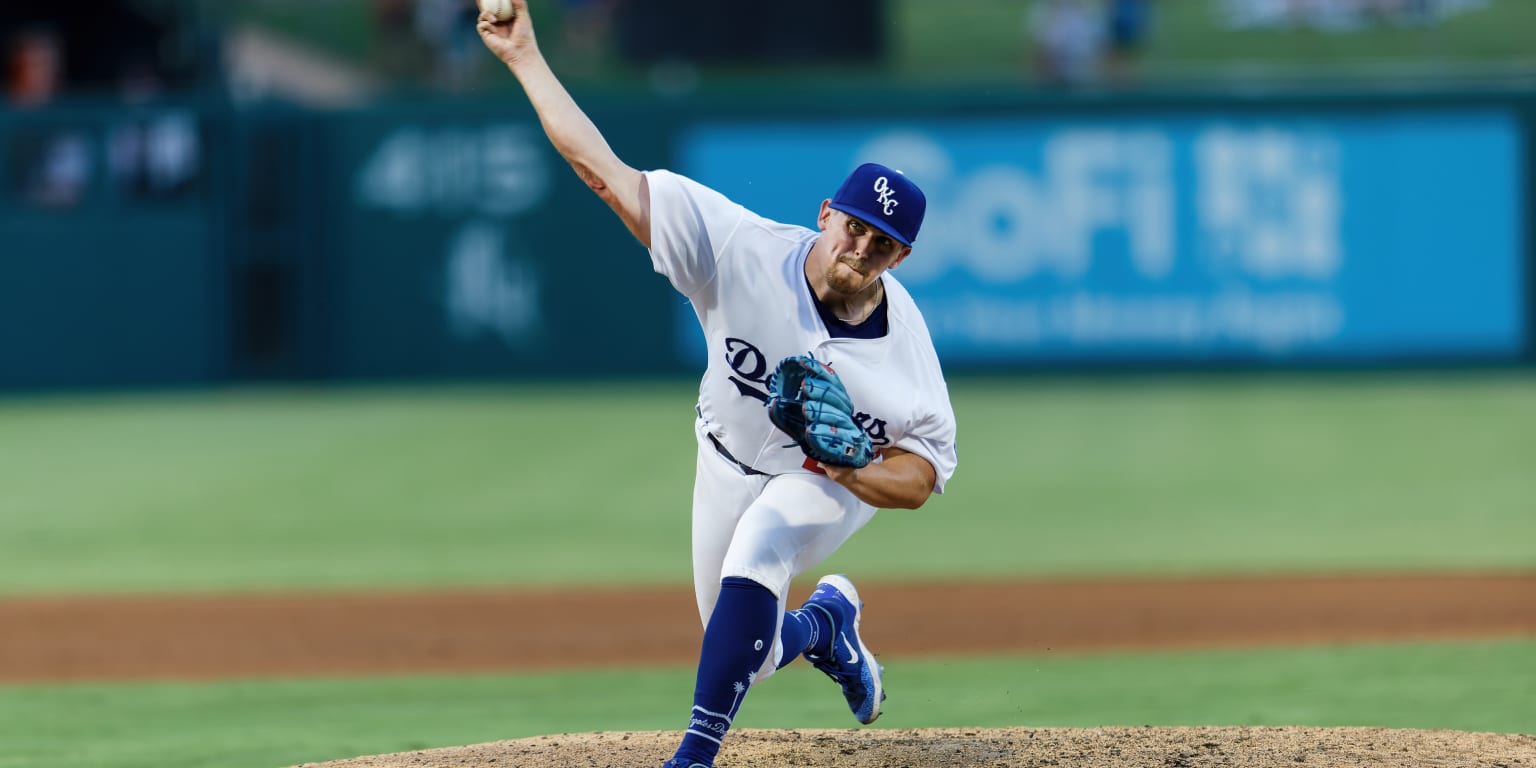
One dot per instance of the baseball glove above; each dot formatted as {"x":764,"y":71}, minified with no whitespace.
{"x":808,"y":402}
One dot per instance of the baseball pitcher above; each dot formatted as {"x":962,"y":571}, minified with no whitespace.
{"x":823,"y":400}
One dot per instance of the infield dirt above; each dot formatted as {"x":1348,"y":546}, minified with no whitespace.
{"x":202,"y":637}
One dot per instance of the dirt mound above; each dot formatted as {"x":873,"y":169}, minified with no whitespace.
{"x":1144,"y":747}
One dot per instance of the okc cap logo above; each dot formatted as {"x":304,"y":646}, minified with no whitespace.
{"x":887,"y":201}
{"x":884,"y":198}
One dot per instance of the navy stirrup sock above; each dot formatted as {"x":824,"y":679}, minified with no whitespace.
{"x":806,"y":629}
{"x":737,"y":641}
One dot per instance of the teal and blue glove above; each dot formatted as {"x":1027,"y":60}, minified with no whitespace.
{"x":808,"y":402}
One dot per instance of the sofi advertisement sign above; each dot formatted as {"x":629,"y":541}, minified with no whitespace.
{"x":1377,"y":237}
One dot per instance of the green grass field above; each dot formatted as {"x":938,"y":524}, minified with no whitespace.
{"x":505,"y":485}
{"x":1467,"y":686}
{"x":524,"y":484}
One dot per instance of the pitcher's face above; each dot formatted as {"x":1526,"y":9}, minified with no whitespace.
{"x":856,"y":253}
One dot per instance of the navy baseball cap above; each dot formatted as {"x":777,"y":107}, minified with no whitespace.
{"x":885,"y":198}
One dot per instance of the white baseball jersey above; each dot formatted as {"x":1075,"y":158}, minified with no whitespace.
{"x":745,"y":276}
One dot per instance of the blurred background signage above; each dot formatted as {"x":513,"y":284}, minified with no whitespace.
{"x":354,"y":190}
{"x":1290,"y":236}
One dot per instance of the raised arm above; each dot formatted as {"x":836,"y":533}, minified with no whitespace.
{"x":568,"y":128}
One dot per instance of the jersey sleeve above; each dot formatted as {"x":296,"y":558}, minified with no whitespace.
{"x":931,"y":432}
{"x":690,"y":225}
{"x":932,"y":436}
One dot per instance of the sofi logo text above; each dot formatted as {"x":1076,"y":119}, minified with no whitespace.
{"x":1258,"y":202}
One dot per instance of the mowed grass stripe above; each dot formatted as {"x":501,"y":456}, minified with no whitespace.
{"x":1462,"y":686}
{"x":541,"y":484}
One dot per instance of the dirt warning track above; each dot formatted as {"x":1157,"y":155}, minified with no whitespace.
{"x":203,"y":637}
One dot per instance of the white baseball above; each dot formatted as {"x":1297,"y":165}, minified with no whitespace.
{"x":501,"y":9}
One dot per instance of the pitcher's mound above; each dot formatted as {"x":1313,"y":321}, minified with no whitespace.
{"x":999,"y":748}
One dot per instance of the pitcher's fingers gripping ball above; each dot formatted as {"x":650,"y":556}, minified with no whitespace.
{"x":808,"y":402}
{"x":502,"y":10}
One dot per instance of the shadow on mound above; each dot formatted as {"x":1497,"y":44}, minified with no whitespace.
{"x":1145,"y":747}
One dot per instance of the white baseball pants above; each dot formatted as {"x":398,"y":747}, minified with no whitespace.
{"x":767,"y":528}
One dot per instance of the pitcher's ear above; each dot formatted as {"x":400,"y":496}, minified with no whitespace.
{"x":824,"y":217}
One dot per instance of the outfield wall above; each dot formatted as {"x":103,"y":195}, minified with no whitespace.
{"x":192,"y":244}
